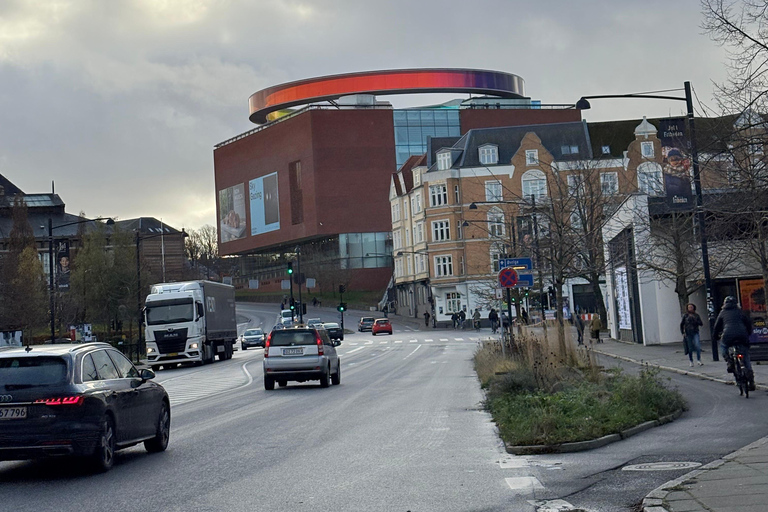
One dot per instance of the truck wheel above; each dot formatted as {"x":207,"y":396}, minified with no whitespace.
{"x":269,"y":383}
{"x":208,"y":354}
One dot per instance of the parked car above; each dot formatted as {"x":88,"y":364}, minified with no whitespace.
{"x":335,"y":332}
{"x":381,"y":325}
{"x":300,"y":354}
{"x":252,"y":338}
{"x":365,"y":324}
{"x":83,"y":400}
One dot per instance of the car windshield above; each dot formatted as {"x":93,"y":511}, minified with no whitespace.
{"x":253,"y":332}
{"x":21,"y":372}
{"x":366,"y":319}
{"x":170,"y":311}
{"x":290,"y":337}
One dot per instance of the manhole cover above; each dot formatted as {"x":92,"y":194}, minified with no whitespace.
{"x":661,"y":466}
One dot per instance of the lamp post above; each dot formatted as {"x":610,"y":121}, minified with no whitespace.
{"x":583,"y":104}
{"x":51,"y":227}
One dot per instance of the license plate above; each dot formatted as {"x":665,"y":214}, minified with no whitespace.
{"x":13,"y":413}
{"x":293,"y":351}
{"x":172,"y":354}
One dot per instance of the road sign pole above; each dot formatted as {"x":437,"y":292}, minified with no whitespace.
{"x":509,"y":315}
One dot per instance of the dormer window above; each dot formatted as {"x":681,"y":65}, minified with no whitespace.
{"x":646,"y":149}
{"x":531,"y":157}
{"x":444,"y":161}
{"x":489,"y":154}
{"x":416,"y":178}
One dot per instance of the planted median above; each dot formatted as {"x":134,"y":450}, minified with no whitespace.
{"x":545,"y":397}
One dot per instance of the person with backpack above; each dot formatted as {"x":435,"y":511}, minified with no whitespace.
{"x":493,"y":317}
{"x":733,"y":328}
{"x":689,"y":328}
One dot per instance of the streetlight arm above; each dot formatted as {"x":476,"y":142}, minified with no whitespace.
{"x":583,"y":104}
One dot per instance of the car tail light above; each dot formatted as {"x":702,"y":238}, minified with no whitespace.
{"x":62,"y":400}
{"x":320,"y":349}
{"x":266,"y":345}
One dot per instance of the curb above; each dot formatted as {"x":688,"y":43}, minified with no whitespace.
{"x":654,"y":500}
{"x":580,"y":446}
{"x":672,"y":369}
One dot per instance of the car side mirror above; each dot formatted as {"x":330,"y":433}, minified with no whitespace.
{"x":146,"y":374}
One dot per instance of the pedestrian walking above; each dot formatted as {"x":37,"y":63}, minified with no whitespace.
{"x":314,"y":301}
{"x":524,"y":314}
{"x":579,"y":323}
{"x":595,"y":326}
{"x":462,"y":318}
{"x":476,"y":319}
{"x":689,"y":328}
{"x":493,"y":317}
{"x":455,"y":319}
{"x":282,"y":305}
{"x":426,"y":318}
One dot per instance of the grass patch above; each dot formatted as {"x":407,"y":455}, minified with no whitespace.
{"x":558,"y":399}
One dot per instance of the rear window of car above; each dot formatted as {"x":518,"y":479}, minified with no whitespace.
{"x":331,"y":325}
{"x":366,"y":319}
{"x":22,"y":372}
{"x":382,"y":322}
{"x":290,"y":337}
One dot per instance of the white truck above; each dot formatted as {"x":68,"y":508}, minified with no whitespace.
{"x":189,"y":322}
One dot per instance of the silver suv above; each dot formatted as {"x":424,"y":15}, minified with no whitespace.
{"x":300,"y":354}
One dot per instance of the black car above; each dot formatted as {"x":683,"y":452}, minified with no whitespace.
{"x":84,"y":400}
{"x":335,"y":332}
{"x":252,"y":338}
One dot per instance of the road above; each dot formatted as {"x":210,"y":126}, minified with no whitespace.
{"x":404,"y":431}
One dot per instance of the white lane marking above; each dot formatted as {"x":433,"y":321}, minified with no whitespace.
{"x":414,"y":351}
{"x":524,"y":484}
{"x":443,"y":339}
{"x":383,"y":342}
{"x":399,"y":341}
{"x":458,"y":339}
{"x":474,"y":339}
{"x":413,"y":341}
{"x":369,"y":342}
{"x":352,"y":351}
{"x":353,"y":344}
{"x":429,"y":340}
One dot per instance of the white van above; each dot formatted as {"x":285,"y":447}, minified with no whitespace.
{"x":286,"y":317}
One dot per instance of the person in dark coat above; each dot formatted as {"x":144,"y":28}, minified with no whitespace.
{"x":462,"y":317}
{"x":455,"y":319}
{"x":426,"y":318}
{"x":595,"y":326}
{"x":733,"y":327}
{"x":689,"y":328}
{"x":579,"y":323}
{"x":493,"y":316}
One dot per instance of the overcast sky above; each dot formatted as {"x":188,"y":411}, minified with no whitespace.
{"x":121,"y":102}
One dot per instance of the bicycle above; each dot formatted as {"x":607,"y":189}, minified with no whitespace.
{"x":740,"y":372}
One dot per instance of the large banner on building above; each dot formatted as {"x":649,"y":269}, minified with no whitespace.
{"x":676,"y":163}
{"x":622,"y":298}
{"x":752,"y":297}
{"x":62,"y":265}
{"x":232,"y":213}
{"x":264,"y":204}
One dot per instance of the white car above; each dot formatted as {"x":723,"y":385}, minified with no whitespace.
{"x":301,"y":354}
{"x":285,"y":317}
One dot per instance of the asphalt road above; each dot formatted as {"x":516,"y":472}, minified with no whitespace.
{"x":403,"y":432}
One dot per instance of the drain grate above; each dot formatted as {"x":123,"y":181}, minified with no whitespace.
{"x":662,"y":466}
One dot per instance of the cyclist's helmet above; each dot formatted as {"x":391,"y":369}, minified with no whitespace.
{"x":729,"y":301}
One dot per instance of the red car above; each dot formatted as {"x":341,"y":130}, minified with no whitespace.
{"x":381,"y":325}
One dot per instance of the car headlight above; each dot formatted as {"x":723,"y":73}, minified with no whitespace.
{"x":193,"y":345}
{"x":150,"y":350}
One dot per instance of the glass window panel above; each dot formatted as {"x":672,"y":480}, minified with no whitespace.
{"x":355,"y":263}
{"x":417,"y":150}
{"x":402,"y":155}
{"x":427,"y":117}
{"x":369,"y":244}
{"x":441,"y":131}
{"x":343,"y":249}
{"x":401,"y":135}
{"x":427,"y":131}
{"x":414,"y":118}
{"x":441,"y":117}
{"x":453,"y":117}
{"x":400,"y":118}
{"x":454,"y":131}
{"x":414,"y":134}
{"x":355,"y":245}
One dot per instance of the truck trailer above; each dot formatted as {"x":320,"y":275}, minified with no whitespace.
{"x":189,"y":322}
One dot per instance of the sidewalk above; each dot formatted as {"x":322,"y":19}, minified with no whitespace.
{"x":736,"y":483}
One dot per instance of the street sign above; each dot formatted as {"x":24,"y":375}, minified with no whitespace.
{"x":285,"y":284}
{"x":524,"y":281}
{"x":516,"y":263}
{"x":508,"y":277}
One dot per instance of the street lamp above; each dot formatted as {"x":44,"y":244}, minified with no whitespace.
{"x":51,"y":227}
{"x":583,"y":104}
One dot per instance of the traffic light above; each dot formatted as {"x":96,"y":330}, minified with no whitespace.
{"x":342,"y":307}
{"x":526,"y":292}
{"x":293,"y":304}
{"x":303,"y":308}
{"x":290,"y":270}
{"x":342,"y":288}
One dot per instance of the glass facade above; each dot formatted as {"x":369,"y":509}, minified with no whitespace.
{"x":365,"y":250}
{"x":412,"y":127}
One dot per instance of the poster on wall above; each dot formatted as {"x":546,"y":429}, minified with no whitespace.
{"x":264,"y":204}
{"x":622,"y":298}
{"x":676,"y":163}
{"x":752,"y":298}
{"x":232,"y":213}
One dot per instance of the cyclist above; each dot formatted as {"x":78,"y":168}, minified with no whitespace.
{"x":733,"y":327}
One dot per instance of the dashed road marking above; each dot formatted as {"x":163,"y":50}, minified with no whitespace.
{"x":383,"y":342}
{"x":428,"y":340}
{"x":369,"y":342}
{"x":399,"y":341}
{"x":458,"y":339}
{"x":443,"y":339}
{"x":413,"y":341}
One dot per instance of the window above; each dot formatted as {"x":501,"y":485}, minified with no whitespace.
{"x":458,"y":230}
{"x":453,"y":302}
{"x":396,"y":212}
{"x":756,"y":148}
{"x":531,"y":157}
{"x":418,"y":233}
{"x":89,"y":369}
{"x":438,"y":195}
{"x":418,"y":202}
{"x":576,"y":220}
{"x":489,"y":155}
{"x":496,"y":222}
{"x":443,"y":266}
{"x":104,"y":365}
{"x":609,"y":183}
{"x":534,"y":184}
{"x":422,"y":263}
{"x":124,"y":366}
{"x":444,"y":161}
{"x":495,"y":256}
{"x":397,"y":240}
{"x":569,"y":150}
{"x":405,"y":210}
{"x":407,"y":236}
{"x":441,"y":231}
{"x":646,"y":149}
{"x":414,"y":210}
{"x":410,"y":265}
{"x":493,"y":191}
{"x":649,"y":179}
{"x":398,"y":267}
{"x":606,"y":150}
{"x":576,"y":185}
{"x":416,"y":178}
{"x":456,"y":197}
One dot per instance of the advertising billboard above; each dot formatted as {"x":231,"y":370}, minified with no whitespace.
{"x":232,"y":213}
{"x":752,"y":295}
{"x":676,"y":163}
{"x":264,"y":204}
{"x":62,"y":265}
